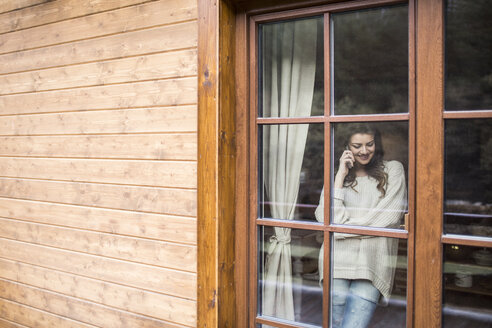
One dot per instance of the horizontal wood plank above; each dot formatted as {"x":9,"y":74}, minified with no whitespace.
{"x":145,"y":225}
{"x":157,"y":279}
{"x":147,"y":146}
{"x":98,"y":164}
{"x":100,"y":24}
{"x":9,"y":5}
{"x":153,"y":252}
{"x":130,"y":299}
{"x":10,"y":324}
{"x":151,"y":93}
{"x":34,"y":318}
{"x":83,"y":311}
{"x":145,"y":199}
{"x":128,"y":172}
{"x":159,"y":39}
{"x":137,"y":120}
{"x":146,"y":67}
{"x":54,"y":11}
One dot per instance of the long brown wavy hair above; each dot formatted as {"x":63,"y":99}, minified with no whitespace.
{"x":375,"y":168}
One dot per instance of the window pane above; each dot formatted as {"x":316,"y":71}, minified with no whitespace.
{"x":468,"y":55}
{"x":291,"y":68}
{"x":289,"y":286}
{"x":467,"y":287}
{"x":370,"y":61}
{"x":468,"y":173}
{"x":369,"y":187}
{"x":368,"y":272}
{"x":291,"y":170}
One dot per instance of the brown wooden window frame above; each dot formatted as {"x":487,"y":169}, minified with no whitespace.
{"x":226,"y":126}
{"x":328,"y":119}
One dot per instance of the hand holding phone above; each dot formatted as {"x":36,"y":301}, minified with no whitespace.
{"x":349,"y":157}
{"x":346,"y":163}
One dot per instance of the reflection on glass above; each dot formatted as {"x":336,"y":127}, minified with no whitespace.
{"x":291,"y":68}
{"x":468,"y":55}
{"x":370,"y":61}
{"x":289,"y":285}
{"x":369,"y":187}
{"x":291,"y":170}
{"x":467,"y":287}
{"x":368,"y":271}
{"x":468,"y":173}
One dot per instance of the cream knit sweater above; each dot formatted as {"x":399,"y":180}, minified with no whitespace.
{"x":367,"y":257}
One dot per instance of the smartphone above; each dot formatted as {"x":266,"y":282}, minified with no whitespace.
{"x":349,"y":165}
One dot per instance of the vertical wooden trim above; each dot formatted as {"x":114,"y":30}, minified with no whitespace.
{"x":429,"y":180}
{"x":216,"y":164}
{"x":411,"y":165}
{"x":226,"y":165}
{"x":327,"y":172}
{"x":253,"y":192}
{"x":207,"y":197}
{"x":327,"y":63}
{"x":242,"y":170}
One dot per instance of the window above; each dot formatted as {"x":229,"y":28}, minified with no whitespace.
{"x":467,"y":218}
{"x":320,"y":79}
{"x":335,"y":129}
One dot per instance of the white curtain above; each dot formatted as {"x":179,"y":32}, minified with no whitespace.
{"x":289,"y":63}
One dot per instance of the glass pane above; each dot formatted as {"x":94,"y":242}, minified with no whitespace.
{"x":289,"y":286}
{"x":467,"y":287}
{"x":369,"y":187}
{"x":468,"y":173}
{"x":370,"y":61}
{"x":290,"y":170}
{"x":291,"y":68}
{"x":468,"y":55}
{"x":369,"y":281}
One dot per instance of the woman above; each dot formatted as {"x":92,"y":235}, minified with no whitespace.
{"x":367,"y":191}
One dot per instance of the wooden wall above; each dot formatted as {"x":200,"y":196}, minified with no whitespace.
{"x":98,"y":163}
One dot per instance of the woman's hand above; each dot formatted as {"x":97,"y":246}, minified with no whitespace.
{"x":346,"y":163}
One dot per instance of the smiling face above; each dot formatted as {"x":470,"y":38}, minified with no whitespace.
{"x":363,"y":146}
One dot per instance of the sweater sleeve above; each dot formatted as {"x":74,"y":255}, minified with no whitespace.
{"x":319,"y":213}
{"x":389,"y":210}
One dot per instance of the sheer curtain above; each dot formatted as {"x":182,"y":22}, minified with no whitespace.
{"x":289,"y":64}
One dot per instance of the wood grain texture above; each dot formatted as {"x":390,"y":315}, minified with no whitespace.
{"x":145,"y":199}
{"x":124,"y":121}
{"x":9,"y":5}
{"x":410,"y":224}
{"x":58,"y":10}
{"x":207,"y":198}
{"x":98,"y":151}
{"x":151,"y":93}
{"x":216,"y":164}
{"x":158,"y":253}
{"x":430,"y":163}
{"x":132,"y":69}
{"x":145,"y":225}
{"x":146,"y":146}
{"x":83,"y":311}
{"x":34,"y":318}
{"x":9,"y":324}
{"x":135,"y":172}
{"x":252,"y":199}
{"x":100,"y":24}
{"x":226,"y":167}
{"x":255,"y":6}
{"x":159,"y":39}
{"x":242,"y":172}
{"x":157,"y":279}
{"x":130,"y":299}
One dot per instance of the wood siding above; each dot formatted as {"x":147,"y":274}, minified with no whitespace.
{"x":98,"y":163}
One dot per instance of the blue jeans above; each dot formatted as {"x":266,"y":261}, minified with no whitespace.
{"x":353,"y":303}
